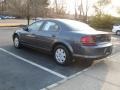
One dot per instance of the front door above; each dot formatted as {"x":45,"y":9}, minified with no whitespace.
{"x":29,"y":36}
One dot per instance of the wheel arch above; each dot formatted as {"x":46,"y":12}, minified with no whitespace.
{"x":117,"y":31}
{"x":15,"y":34}
{"x":69,"y":47}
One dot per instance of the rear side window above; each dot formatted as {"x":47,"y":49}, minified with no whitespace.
{"x":76,"y":25}
{"x":50,"y":26}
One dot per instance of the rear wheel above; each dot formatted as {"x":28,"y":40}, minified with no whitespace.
{"x":62,"y":55}
{"x":16,"y":42}
{"x":118,"y":33}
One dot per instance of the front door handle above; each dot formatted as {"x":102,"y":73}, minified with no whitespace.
{"x":31,"y":35}
{"x":53,"y":36}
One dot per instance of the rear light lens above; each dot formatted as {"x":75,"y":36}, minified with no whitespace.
{"x":88,"y":40}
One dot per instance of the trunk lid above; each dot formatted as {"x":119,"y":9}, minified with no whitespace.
{"x":100,"y":36}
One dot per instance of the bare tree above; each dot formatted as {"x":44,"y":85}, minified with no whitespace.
{"x":56,"y":5}
{"x":16,"y":7}
{"x":27,"y":8}
{"x":100,"y":5}
{"x":28,"y":3}
{"x":118,"y":10}
{"x":83,"y":9}
{"x":36,"y":8}
{"x":76,"y":11}
{"x":80,"y":8}
{"x":39,"y":8}
{"x":86,"y":12}
{"x":59,"y":8}
{"x":2,"y":6}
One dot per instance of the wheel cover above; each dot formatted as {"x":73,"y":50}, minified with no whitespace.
{"x":60,"y":55}
{"x":16,"y":42}
{"x":118,"y":33}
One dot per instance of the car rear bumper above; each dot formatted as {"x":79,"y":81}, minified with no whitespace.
{"x":94,"y":52}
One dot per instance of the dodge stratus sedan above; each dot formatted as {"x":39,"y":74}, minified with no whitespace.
{"x":65,"y":39}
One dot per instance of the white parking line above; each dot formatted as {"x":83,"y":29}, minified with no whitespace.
{"x":34,"y":64}
{"x":64,"y":80}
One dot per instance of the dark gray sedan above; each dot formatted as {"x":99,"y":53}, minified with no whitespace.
{"x":65,"y":39}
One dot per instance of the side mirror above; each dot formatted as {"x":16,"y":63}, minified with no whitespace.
{"x":25,"y":28}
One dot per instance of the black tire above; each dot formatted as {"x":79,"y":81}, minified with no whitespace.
{"x":118,"y":33}
{"x":15,"y":39}
{"x":68,"y":57}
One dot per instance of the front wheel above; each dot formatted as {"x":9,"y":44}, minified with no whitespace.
{"x":62,"y":55}
{"x":16,"y":42}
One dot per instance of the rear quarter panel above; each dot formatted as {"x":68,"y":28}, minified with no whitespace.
{"x":71,"y":39}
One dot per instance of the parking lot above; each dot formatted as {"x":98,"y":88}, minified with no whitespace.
{"x":28,"y":69}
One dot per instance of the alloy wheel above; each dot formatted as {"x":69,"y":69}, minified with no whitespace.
{"x":60,"y":55}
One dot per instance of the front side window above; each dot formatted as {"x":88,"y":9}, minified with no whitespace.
{"x":50,"y":26}
{"x":35,"y":26}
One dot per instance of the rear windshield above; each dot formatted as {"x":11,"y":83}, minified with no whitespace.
{"x":76,"y":25}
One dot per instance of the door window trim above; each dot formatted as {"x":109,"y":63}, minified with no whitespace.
{"x":50,"y":30}
{"x":37,"y":22}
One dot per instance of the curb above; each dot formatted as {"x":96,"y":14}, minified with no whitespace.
{"x":70,"y":77}
{"x":64,"y":80}
{"x":12,"y":25}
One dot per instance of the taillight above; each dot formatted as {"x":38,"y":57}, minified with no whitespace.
{"x":88,"y":40}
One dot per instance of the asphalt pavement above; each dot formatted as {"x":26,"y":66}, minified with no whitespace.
{"x":18,"y":75}
{"x":28,"y":69}
{"x":42,"y":70}
{"x":102,"y":75}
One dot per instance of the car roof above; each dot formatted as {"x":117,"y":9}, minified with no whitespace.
{"x":57,"y":19}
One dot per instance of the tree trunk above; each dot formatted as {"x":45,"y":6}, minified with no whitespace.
{"x":28,"y":12}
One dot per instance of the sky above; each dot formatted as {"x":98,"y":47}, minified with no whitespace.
{"x":110,"y":9}
{"x":70,"y":6}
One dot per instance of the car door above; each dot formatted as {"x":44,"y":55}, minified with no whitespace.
{"x":47,"y":35}
{"x":29,"y":36}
